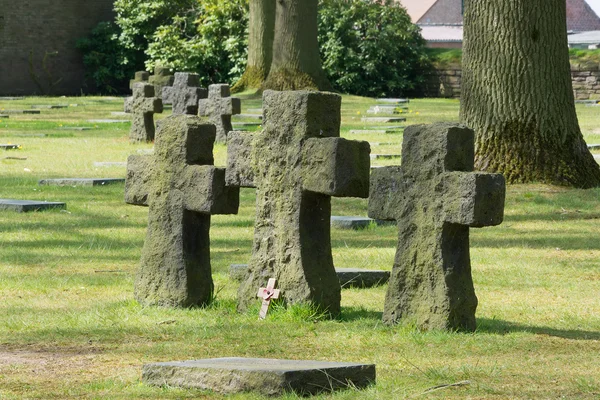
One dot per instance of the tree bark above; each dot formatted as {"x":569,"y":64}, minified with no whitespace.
{"x":261,"y":31}
{"x":518,"y":96}
{"x":296,"y":61}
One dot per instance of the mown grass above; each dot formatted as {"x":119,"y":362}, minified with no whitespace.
{"x":70,"y":328}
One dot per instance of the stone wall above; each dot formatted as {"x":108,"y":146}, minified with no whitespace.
{"x":37,"y":44}
{"x":448,"y":79}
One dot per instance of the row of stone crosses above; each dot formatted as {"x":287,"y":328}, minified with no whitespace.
{"x":297,"y":163}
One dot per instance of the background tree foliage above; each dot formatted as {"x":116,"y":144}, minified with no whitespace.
{"x":367,"y":48}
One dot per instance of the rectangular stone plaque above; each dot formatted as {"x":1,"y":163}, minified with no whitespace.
{"x":29,"y":205}
{"x":266,"y":376}
{"x":9,"y":146}
{"x":383,"y":119}
{"x":81,"y":181}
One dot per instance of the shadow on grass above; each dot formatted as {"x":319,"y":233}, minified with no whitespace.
{"x":501,"y":327}
{"x":349,"y":314}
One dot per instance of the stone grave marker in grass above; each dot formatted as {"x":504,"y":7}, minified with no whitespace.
{"x":185,"y":93}
{"x":29,"y":205}
{"x":392,"y":100}
{"x":296,"y":163}
{"x":384,"y":156}
{"x":4,"y":116}
{"x":383,"y":119}
{"x":182,"y":188}
{"x":435,"y":197}
{"x":219,"y":107}
{"x":80,"y":181}
{"x":269,"y":377}
{"x":139,"y":77}
{"x":143,"y":107}
{"x":11,"y":98}
{"x":21,"y":111}
{"x":346,"y":222}
{"x":162,"y":77}
{"x":111,"y":121}
{"x":50,"y":106}
{"x":77,"y":128}
{"x":593,"y":146}
{"x":10,"y":146}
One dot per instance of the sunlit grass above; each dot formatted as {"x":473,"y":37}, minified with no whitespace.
{"x":70,"y":328}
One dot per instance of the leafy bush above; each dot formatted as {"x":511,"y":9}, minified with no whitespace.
{"x":371,"y":48}
{"x":211,"y":40}
{"x":109,"y":65}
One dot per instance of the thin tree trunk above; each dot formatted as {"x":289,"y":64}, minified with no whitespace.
{"x":296,"y":60}
{"x":517,"y":93}
{"x":261,"y":31}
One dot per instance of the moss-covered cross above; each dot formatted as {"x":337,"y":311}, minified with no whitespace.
{"x":185,"y":93}
{"x":143,"y":105}
{"x":296,"y":163}
{"x":182,"y":188}
{"x":219,"y":107}
{"x":435,"y":197}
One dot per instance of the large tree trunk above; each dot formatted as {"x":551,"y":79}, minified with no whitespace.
{"x":517,"y":93}
{"x":296,"y":60}
{"x":261,"y":31}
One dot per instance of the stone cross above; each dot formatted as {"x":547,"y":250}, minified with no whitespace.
{"x":267,"y":294}
{"x":219,"y":107}
{"x":143,"y":105}
{"x":185,"y":93}
{"x":435,"y":197}
{"x":182,"y":189}
{"x":296,"y":163}
{"x":162,"y":77}
{"x":139,"y":77}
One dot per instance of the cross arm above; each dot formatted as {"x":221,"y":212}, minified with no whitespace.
{"x":204,"y":190}
{"x":239,"y":159}
{"x":137,"y":182}
{"x":474,"y":199}
{"x":387,"y":191}
{"x":336,"y":167}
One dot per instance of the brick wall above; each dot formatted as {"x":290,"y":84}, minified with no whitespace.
{"x":448,"y":79}
{"x":34,"y":30}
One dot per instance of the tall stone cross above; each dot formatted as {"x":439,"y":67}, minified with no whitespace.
{"x":185,"y":93}
{"x":219,"y":107}
{"x":435,"y":197}
{"x":143,"y":105}
{"x":182,"y":189}
{"x":296,"y":163}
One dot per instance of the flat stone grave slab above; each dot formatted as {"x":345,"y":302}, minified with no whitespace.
{"x":262,"y":375}
{"x":110,"y":164}
{"x":81,"y":181}
{"x":392,"y":100}
{"x":4,"y":116}
{"x":107,"y":121}
{"x":386,"y":110}
{"x":593,"y":146}
{"x":77,"y":128}
{"x":21,"y":111}
{"x":29,"y":205}
{"x":384,"y":156}
{"x":388,"y":127}
{"x":253,"y":116}
{"x":369,"y":131}
{"x":587,"y":101}
{"x":245,"y":124}
{"x":50,"y":106}
{"x":383,"y":119}
{"x":9,"y":146}
{"x":345,"y":222}
{"x":348,"y":277}
{"x":9,"y":98}
{"x":381,"y":143}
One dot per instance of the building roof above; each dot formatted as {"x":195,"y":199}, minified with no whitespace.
{"x":591,"y":37}
{"x":417,"y":8}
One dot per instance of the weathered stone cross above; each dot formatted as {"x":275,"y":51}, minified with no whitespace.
{"x":143,"y":105}
{"x":297,"y":163}
{"x":185,"y":93}
{"x":435,"y":197}
{"x":183,"y":189}
{"x":219,"y":107}
{"x":267,"y":294}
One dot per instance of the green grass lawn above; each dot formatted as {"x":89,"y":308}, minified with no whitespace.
{"x":70,"y":328}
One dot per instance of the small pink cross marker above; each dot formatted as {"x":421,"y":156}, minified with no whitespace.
{"x":267,"y":294}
